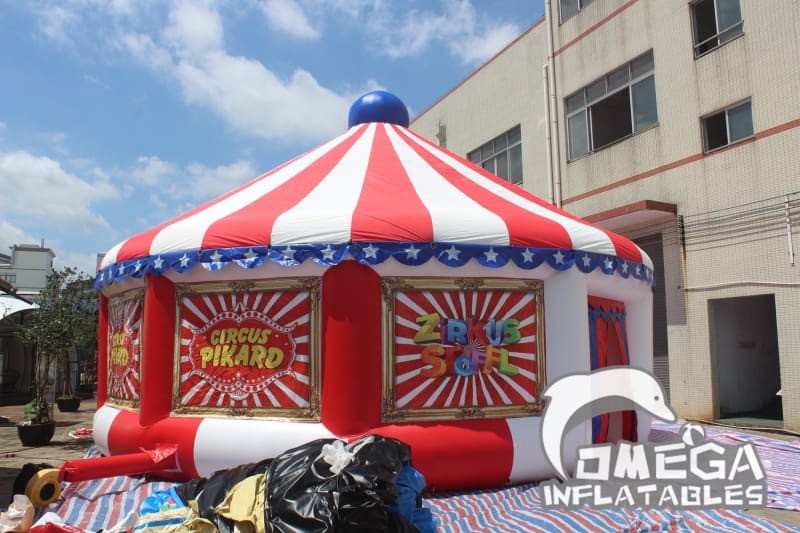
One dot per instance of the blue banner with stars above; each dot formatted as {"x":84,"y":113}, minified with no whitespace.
{"x":373,"y":253}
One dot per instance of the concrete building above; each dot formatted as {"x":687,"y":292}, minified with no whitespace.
{"x":27,"y":268}
{"x":23,"y":274}
{"x":677,"y":124}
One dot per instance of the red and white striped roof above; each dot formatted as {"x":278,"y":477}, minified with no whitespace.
{"x":377,"y":182}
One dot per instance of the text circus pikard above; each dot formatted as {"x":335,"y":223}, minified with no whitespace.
{"x":124,"y":357}
{"x":245,"y":350}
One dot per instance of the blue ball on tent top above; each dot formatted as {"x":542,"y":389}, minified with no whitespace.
{"x":378,"y":106}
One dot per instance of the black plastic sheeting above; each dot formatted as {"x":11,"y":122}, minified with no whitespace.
{"x":304,"y":492}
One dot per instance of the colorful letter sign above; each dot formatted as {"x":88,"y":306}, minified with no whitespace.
{"x":248,"y":351}
{"x":461,"y":349}
{"x":124,"y":356}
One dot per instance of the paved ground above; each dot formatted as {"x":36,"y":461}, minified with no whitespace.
{"x":13,"y":455}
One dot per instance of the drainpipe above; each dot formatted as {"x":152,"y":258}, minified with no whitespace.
{"x":787,"y":207}
{"x":548,"y":140}
{"x":552,"y":107}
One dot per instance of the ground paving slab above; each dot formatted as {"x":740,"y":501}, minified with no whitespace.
{"x":13,"y":455}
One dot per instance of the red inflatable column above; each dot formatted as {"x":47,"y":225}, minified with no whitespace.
{"x":158,"y":350}
{"x":351,"y":349}
{"x":102,"y":350}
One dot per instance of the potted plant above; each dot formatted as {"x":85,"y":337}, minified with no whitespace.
{"x":65,"y":319}
{"x":69,"y":401}
{"x":37,"y":426}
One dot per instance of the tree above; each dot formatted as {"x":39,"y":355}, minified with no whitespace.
{"x":65,"y":321}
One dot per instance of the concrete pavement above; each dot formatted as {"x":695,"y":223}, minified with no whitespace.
{"x":13,"y":455}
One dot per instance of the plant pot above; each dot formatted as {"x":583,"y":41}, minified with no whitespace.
{"x":36,"y":434}
{"x":68,"y":405}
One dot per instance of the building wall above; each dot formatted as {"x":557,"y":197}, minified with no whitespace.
{"x":503,"y":93}
{"x":730,"y":236}
{"x":28,"y":269}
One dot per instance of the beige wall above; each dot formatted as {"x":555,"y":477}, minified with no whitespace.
{"x":503,"y":93}
{"x":666,"y":162}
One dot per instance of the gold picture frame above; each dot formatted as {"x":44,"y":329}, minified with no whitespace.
{"x":115,"y":301}
{"x":249,"y":296}
{"x":453,"y":359}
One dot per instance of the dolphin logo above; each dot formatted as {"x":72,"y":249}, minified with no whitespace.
{"x":614,"y":388}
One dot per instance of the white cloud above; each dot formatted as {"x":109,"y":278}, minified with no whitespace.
{"x":94,"y":81}
{"x":122,"y":7}
{"x":157,"y":202}
{"x":10,"y":235}
{"x":54,"y":22}
{"x":194,"y":30}
{"x":55,"y":137}
{"x":36,"y":186}
{"x":459,"y":28}
{"x":288,"y":17}
{"x":150,"y":170}
{"x":209,"y":182}
{"x":242,"y":91}
{"x":474,"y":49}
{"x":86,"y":263}
{"x":252,"y":99}
{"x":142,"y":47}
{"x":190,"y":50}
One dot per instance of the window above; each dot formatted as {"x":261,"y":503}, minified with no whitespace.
{"x":728,"y":126}
{"x":715,"y":23}
{"x":569,"y":8}
{"x":613,"y":107}
{"x":502,"y":156}
{"x":9,"y":277}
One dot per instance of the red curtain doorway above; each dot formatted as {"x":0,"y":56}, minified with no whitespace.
{"x":608,"y":341}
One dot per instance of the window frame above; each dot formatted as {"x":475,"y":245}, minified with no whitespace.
{"x":585,"y":108}
{"x":582,"y":4}
{"x":725,"y":111}
{"x":481,"y":160}
{"x":696,"y":44}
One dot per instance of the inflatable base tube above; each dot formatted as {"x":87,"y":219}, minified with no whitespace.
{"x":453,"y":455}
{"x":205,"y":445}
{"x":123,"y":435}
{"x":458,"y":455}
{"x":224,"y":443}
{"x":161,"y":458}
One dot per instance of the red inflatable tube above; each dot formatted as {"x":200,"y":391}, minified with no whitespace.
{"x":163,"y":457}
{"x":102,"y":348}
{"x":129,"y":437}
{"x":351,"y":302}
{"x":156,"y":382}
{"x":458,"y":455}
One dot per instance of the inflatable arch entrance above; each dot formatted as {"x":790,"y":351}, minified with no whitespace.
{"x":376,"y":284}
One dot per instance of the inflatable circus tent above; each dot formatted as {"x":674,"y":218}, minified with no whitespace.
{"x":375,"y":284}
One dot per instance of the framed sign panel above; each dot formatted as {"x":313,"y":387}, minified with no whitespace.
{"x":462,"y":348}
{"x":249,"y":348}
{"x":124,"y":348}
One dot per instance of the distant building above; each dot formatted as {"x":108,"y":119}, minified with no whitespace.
{"x":27,"y":268}
{"x":675,"y":123}
{"x":16,"y":359}
{"x":23,"y":274}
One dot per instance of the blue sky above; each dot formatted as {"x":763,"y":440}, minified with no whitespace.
{"x":116,"y":115}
